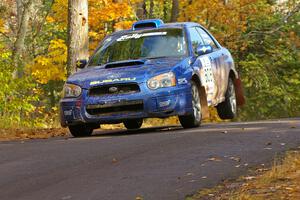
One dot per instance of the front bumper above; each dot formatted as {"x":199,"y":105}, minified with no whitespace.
{"x":160,"y":103}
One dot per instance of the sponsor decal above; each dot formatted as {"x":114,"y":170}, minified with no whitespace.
{"x":182,"y":81}
{"x":207,"y":78}
{"x":204,"y":49}
{"x":139,"y":35}
{"x":78,"y":63}
{"x":112,"y":80}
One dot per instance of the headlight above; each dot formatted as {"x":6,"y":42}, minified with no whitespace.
{"x":71,"y":90}
{"x":162,"y":80}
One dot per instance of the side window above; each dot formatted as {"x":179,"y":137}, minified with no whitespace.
{"x":195,"y":38}
{"x":207,"y":39}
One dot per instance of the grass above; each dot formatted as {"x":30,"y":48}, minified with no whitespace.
{"x":282,"y":181}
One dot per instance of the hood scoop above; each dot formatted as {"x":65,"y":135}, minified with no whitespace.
{"x":124,"y":64}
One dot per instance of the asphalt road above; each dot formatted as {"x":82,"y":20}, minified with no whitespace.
{"x":155,"y":164}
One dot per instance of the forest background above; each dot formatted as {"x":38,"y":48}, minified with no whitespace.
{"x":263,"y":37}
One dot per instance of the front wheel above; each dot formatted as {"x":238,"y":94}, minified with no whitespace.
{"x":194,"y":119}
{"x":82,"y":130}
{"x":228,"y":109}
{"x":133,"y":123}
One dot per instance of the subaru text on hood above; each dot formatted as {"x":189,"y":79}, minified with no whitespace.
{"x":152,"y":70}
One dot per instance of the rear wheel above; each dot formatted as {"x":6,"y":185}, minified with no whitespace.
{"x":82,"y":130}
{"x":194,"y":119}
{"x":228,"y":108}
{"x":133,"y":123}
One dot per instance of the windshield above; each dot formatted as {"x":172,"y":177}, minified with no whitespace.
{"x":169,"y":42}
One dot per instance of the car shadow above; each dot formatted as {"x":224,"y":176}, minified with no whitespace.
{"x":124,"y":132}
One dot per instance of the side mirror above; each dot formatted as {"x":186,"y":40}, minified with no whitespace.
{"x":81,"y":63}
{"x":204,"y":49}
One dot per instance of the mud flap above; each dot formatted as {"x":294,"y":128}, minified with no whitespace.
{"x":240,"y":98}
{"x":204,"y":105}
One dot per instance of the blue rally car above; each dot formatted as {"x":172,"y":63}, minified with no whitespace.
{"x":152,"y":70}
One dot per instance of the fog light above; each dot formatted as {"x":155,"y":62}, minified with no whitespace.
{"x":164,"y":103}
{"x":68,"y":112}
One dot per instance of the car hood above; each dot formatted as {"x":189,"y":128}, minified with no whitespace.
{"x":118,"y":72}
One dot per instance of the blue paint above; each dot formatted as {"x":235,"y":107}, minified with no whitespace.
{"x":155,"y":23}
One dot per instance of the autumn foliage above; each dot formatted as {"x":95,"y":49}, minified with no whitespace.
{"x":263,"y":37}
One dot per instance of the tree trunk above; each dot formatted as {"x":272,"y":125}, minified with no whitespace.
{"x":141,"y":10}
{"x":151,"y":9}
{"x":165,"y":10}
{"x":23,"y":17}
{"x":78,"y":40}
{"x":20,"y":7}
{"x":175,"y":10}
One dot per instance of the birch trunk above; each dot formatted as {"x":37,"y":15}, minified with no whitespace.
{"x":23,"y":18}
{"x":78,"y":40}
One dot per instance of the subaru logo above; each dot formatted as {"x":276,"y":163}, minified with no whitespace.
{"x":113,"y":89}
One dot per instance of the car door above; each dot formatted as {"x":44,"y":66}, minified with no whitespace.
{"x":220,"y":71}
{"x":205,"y":66}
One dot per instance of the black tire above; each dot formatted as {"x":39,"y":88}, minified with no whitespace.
{"x":228,"y":108}
{"x":193,"y":120}
{"x":82,"y":130}
{"x":133,"y":123}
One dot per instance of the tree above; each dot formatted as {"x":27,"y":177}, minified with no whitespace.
{"x":23,"y":14}
{"x":141,"y":10}
{"x":78,"y":41}
{"x":175,"y":10}
{"x":151,"y":9}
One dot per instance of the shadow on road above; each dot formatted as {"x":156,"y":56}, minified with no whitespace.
{"x":124,"y":132}
{"x":205,"y":127}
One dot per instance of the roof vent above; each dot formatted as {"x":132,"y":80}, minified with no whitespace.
{"x":149,"y":23}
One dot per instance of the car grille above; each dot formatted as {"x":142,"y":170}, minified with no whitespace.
{"x":116,"y":107}
{"x":114,"y":89}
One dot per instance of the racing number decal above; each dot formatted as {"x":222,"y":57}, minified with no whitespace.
{"x":207,"y":78}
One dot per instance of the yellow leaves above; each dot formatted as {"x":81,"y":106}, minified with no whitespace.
{"x":100,"y":13}
{"x":227,"y":22}
{"x":1,"y":24}
{"x":106,"y":16}
{"x":5,"y":55}
{"x":123,"y":25}
{"x":2,"y":28}
{"x":60,"y":13}
{"x":50,"y":19}
{"x":42,"y":61}
{"x":52,"y":65}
